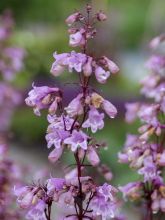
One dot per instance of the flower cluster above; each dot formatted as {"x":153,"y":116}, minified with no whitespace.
{"x":11,"y":62}
{"x":80,"y":62}
{"x":69,"y":128}
{"x":10,"y":175}
{"x":38,"y":199}
{"x":145,"y":152}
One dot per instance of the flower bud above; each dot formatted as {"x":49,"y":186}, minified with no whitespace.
{"x":109,"y":108}
{"x":93,"y":157}
{"x":101,"y":16}
{"x":87,"y":68}
{"x":55,"y":155}
{"x":72,"y":18}
{"x":101,"y":74}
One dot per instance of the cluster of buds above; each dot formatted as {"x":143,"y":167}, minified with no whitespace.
{"x":146,"y":152}
{"x":81,"y":27}
{"x":69,"y":128}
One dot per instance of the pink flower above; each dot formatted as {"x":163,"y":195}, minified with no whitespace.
{"x":72,"y":18}
{"x":76,"y":140}
{"x":101,"y":74}
{"x":95,"y":120}
{"x":101,"y":16}
{"x":112,"y":67}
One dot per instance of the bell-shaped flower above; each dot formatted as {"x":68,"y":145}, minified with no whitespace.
{"x":76,"y":39}
{"x":78,"y":139}
{"x":93,"y":157}
{"x":101,"y":74}
{"x":75,"y":107}
{"x":109,"y":108}
{"x":72,"y":18}
{"x":41,"y":98}
{"x":95,"y":120}
{"x":87,"y":68}
{"x":55,"y":154}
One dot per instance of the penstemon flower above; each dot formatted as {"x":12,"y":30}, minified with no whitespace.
{"x":69,"y":128}
{"x":145,"y":152}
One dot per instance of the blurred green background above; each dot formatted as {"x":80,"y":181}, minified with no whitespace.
{"x":124,"y":37}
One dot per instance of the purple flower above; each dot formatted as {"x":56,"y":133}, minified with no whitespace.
{"x":37,"y":212}
{"x":107,"y":191}
{"x":56,"y":137}
{"x":40,"y":98}
{"x":25,"y":196}
{"x":104,"y":203}
{"x":61,"y":60}
{"x":75,"y":107}
{"x":110,"y":65}
{"x":103,"y":208}
{"x":101,"y":74}
{"x":95,"y":120}
{"x":71,"y":61}
{"x":87,"y":68}
{"x":76,"y":140}
{"x":131,"y":111}
{"x":101,"y":16}
{"x":149,"y":170}
{"x":93,"y":157}
{"x":157,"y":64}
{"x":161,"y":158}
{"x":109,"y":108}
{"x":76,"y":39}
{"x":55,"y":184}
{"x":12,"y":62}
{"x":55,"y":154}
{"x":72,"y":18}
{"x":132,"y":190}
{"x":76,"y":61}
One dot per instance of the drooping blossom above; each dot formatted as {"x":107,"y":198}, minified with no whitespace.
{"x":42,"y":97}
